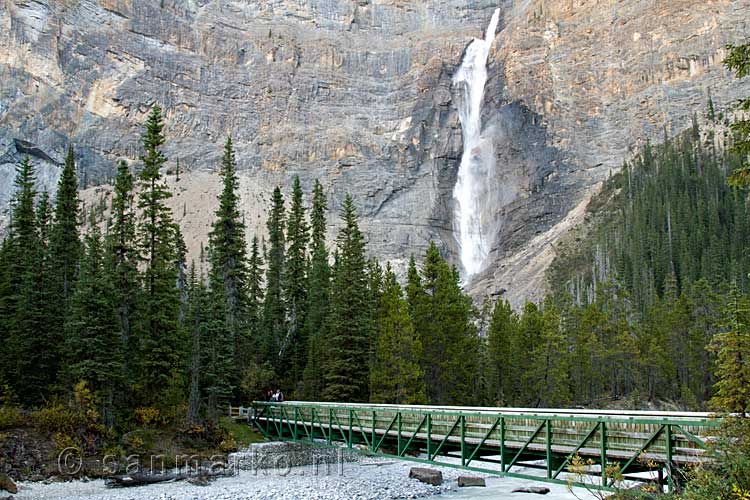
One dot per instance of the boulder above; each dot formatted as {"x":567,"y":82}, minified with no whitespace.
{"x":428,"y":476}
{"x":471,"y":481}
{"x":7,"y":484}
{"x":539,"y":490}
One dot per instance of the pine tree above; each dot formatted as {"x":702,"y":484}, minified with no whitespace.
{"x":122,"y":256}
{"x":319,"y":281}
{"x":295,"y":290}
{"x":65,"y":244}
{"x":274,"y":304}
{"x":442,"y":317}
{"x":502,"y":341}
{"x":159,"y":329}
{"x":732,"y":350}
{"x":194,"y":321}
{"x":217,"y":365}
{"x":255,"y":297}
{"x":345,"y":366}
{"x":33,"y":354}
{"x":738,"y":61}
{"x":396,"y":376}
{"x":228,"y":256}
{"x":93,"y":347}
{"x":549,"y":363}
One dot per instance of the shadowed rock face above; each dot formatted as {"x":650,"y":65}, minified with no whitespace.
{"x":359,"y":94}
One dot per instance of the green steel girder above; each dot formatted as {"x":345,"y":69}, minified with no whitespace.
{"x":526,"y":444}
{"x":385,"y":434}
{"x":445,"y":439}
{"x":575,"y":450}
{"x":455,"y":437}
{"x":416,"y":431}
{"x":362,"y":431}
{"x":486,"y":435}
{"x":705,"y":422}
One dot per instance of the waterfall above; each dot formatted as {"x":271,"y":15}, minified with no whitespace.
{"x":472,"y":194}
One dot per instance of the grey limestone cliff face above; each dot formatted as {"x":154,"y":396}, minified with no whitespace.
{"x":358,"y":94}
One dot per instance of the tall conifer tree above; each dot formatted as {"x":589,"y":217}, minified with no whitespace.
{"x":319,"y":282}
{"x":274,"y":305}
{"x":228,"y":256}
{"x":65,"y":243}
{"x":295,"y":290}
{"x":397,"y":376}
{"x":346,"y":363}
{"x":94,"y":351}
{"x":122,"y":259}
{"x":159,"y":331}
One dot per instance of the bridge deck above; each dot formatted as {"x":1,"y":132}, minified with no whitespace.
{"x":500,"y":440}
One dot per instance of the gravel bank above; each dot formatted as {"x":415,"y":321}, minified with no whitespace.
{"x":366,"y":478}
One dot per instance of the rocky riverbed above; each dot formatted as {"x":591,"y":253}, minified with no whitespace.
{"x":331,"y":477}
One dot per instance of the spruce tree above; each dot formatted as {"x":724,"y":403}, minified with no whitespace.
{"x":732,"y":350}
{"x":122,"y":260}
{"x":65,"y":243}
{"x":93,"y":347}
{"x":396,"y":376}
{"x":274,"y":305}
{"x":345,"y":366}
{"x":159,"y":329}
{"x":255,"y":298}
{"x":442,"y":317}
{"x":194,"y":322}
{"x":228,"y":256}
{"x":295,"y":290}
{"x":502,"y":341}
{"x":32,"y":349}
{"x":319,"y":282}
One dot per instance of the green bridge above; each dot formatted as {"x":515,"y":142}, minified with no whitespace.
{"x":647,"y":446}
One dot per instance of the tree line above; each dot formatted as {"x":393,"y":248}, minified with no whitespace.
{"x":110,"y":299}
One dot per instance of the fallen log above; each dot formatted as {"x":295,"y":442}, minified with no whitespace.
{"x":143,"y":479}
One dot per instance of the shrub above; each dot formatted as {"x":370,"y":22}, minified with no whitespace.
{"x":63,"y":441}
{"x":728,"y":478}
{"x":147,"y":417}
{"x":58,"y":418}
{"x":11,"y":416}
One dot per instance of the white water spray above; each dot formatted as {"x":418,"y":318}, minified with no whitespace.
{"x":473,"y":217}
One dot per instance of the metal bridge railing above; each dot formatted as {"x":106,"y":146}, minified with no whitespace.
{"x":503,"y":440}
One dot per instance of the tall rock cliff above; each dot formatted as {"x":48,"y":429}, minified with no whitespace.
{"x":359,"y":94}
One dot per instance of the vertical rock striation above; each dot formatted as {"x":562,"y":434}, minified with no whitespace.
{"x":360,"y":94}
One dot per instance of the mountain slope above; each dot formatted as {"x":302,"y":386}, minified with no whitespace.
{"x":359,"y":94}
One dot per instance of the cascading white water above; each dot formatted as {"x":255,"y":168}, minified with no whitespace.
{"x":473,"y":217}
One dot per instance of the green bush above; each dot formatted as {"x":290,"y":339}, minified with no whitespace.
{"x":728,"y":478}
{"x":58,"y":418}
{"x":11,"y":416}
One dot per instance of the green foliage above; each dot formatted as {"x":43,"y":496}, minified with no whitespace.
{"x":274,"y":304}
{"x":228,"y":255}
{"x":738,"y":61}
{"x":442,"y":315}
{"x":732,"y":348}
{"x":293,"y":349}
{"x":669,"y":213}
{"x":65,"y":244}
{"x":396,"y":375}
{"x":93,"y":346}
{"x":319,"y":282}
{"x":727,"y":478}
{"x":122,"y":259}
{"x":10,"y":417}
{"x":158,"y":330}
{"x":345,"y":365}
{"x":503,"y":344}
